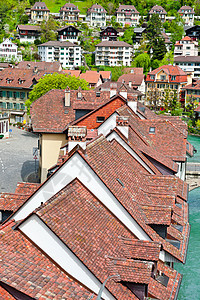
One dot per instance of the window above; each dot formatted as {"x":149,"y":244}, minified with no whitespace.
{"x":173,"y":77}
{"x":97,"y":94}
{"x":22,"y":95}
{"x":152,"y":76}
{"x":100,"y":119}
{"x":151,"y":129}
{"x":162,"y":77}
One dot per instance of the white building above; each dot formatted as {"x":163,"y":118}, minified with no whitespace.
{"x":189,"y":64}
{"x":187,"y":14}
{"x":96,"y":16}
{"x":8,"y":51}
{"x":128,"y":15}
{"x":113,"y":53}
{"x":186,"y":47}
{"x":4,"y":125}
{"x":68,"y":54}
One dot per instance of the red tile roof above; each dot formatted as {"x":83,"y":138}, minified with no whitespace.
{"x":135,"y":79}
{"x":124,"y":8}
{"x":11,"y":201}
{"x":158,"y":8}
{"x":28,"y":270}
{"x":94,"y":7}
{"x":185,"y":7}
{"x":68,"y":6}
{"x":171,"y":71}
{"x":26,"y":188}
{"x":75,"y":73}
{"x":48,"y":113}
{"x":91,"y":76}
{"x":40,"y":4}
{"x":40,"y":65}
{"x":29,"y":27}
{"x":106,"y":74}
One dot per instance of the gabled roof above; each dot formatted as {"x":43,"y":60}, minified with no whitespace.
{"x":135,"y":79}
{"x":26,"y":188}
{"x":75,"y":73}
{"x":91,"y":76}
{"x":42,"y":6}
{"x":48,"y":113}
{"x":125,"y":8}
{"x":29,"y":27}
{"x":170,"y":70}
{"x":66,"y":27}
{"x":57,"y":44}
{"x":94,"y":7}
{"x":19,"y":78}
{"x":11,"y":201}
{"x":186,"y":8}
{"x":113,"y":44}
{"x":68,"y":6}
{"x":26,"y":269}
{"x":157,"y":9}
{"x":40,"y":65}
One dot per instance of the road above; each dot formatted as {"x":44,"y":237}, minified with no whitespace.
{"x":16,"y":159}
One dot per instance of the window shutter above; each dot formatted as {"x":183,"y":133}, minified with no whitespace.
{"x":4,"y":93}
{"x":18,"y":107}
{"x":17,"y":94}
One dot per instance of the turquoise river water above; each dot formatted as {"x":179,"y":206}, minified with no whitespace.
{"x":190,"y":287}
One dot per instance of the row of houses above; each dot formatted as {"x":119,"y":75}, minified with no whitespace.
{"x":113,"y":209}
{"x":97,"y":15}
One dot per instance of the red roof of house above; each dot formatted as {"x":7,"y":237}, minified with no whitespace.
{"x":105,"y":74}
{"x":186,"y":8}
{"x":171,"y":71}
{"x":186,"y":38}
{"x":49,"y":67}
{"x":75,"y":73}
{"x":124,"y":8}
{"x":68,"y":6}
{"x":91,"y":76}
{"x":11,"y":201}
{"x":157,"y":8}
{"x":96,"y":6}
{"x":135,"y":79}
{"x":26,"y":269}
{"x":48,"y":113}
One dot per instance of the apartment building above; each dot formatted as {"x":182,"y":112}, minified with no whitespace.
{"x":28,"y":33}
{"x":192,"y":90}
{"x":109,"y":34}
{"x":96,"y":16}
{"x":113,"y":53}
{"x":164,"y":78}
{"x":186,"y":47}
{"x":127,"y":15}
{"x":157,"y":9}
{"x":68,"y":33}
{"x":15,"y":85}
{"x":9,"y":51}
{"x":189,"y":64}
{"x":69,"y":13}
{"x":39,"y":12}
{"x":187,"y":13}
{"x":68,"y":54}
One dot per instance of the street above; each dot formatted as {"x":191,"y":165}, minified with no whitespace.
{"x":16,"y":159}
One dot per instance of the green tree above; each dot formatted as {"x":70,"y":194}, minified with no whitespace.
{"x":117,"y":72}
{"x":176,"y":29}
{"x":55,"y":81}
{"x":142,"y":61}
{"x":128,"y":36}
{"x":48,"y":30}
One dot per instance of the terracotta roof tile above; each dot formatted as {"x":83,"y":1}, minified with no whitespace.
{"x":91,"y":76}
{"x":135,"y":79}
{"x":40,"y":65}
{"x":11,"y":201}
{"x":26,"y":188}
{"x":24,"y":267}
{"x":157,"y":8}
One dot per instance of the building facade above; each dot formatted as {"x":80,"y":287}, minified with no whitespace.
{"x":39,"y":12}
{"x":113,"y":53}
{"x":9,"y":51}
{"x":69,"y":13}
{"x":187,"y":13}
{"x":157,"y":9}
{"x":189,"y":64}
{"x":4,"y":125}
{"x":168,"y":77}
{"x":96,"y":16}
{"x":109,"y":34}
{"x":186,"y":47}
{"x":28,"y":33}
{"x":127,"y":15}
{"x":68,"y":54}
{"x":68,"y":33}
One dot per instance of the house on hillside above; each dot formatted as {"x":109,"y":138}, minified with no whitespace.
{"x":109,"y":34}
{"x":69,"y":13}
{"x":159,"y":10}
{"x":135,"y":81}
{"x":113,"y":53}
{"x":189,"y":64}
{"x":68,"y":33}
{"x":67,"y":53}
{"x":187,"y":13}
{"x":186,"y":47}
{"x":96,"y":16}
{"x":39,"y":12}
{"x":127,"y":15}
{"x":28,"y":33}
{"x":9,"y":51}
{"x":193,"y":32}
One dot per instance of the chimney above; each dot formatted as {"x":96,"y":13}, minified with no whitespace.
{"x":28,"y":66}
{"x":122,"y":125}
{"x":35,"y":70}
{"x":67,"y":97}
{"x":77,"y":136}
{"x":130,"y":84}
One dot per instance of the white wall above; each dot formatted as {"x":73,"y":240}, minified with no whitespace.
{"x":48,"y":242}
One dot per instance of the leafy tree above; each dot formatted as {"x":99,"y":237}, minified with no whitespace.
{"x":128,"y":36}
{"x":55,"y":81}
{"x":117,"y":72}
{"x":156,"y":42}
{"x":153,"y":98}
{"x":48,"y":30}
{"x":155,"y":64}
{"x":110,"y":8}
{"x":176,"y":29}
{"x":190,"y":106}
{"x":168,"y":59}
{"x":142,"y":61}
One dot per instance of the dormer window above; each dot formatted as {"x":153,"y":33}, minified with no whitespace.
{"x":173,"y":77}
{"x":151,"y":129}
{"x":152,"y":77}
{"x":79,"y":95}
{"x":8,"y":80}
{"x":98,"y":94}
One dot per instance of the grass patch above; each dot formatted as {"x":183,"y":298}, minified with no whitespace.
{"x":55,"y":5}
